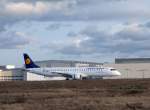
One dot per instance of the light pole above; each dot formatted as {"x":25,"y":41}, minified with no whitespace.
{"x":127,"y":70}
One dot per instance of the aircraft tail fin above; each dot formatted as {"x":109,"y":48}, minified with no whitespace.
{"x":28,"y":62}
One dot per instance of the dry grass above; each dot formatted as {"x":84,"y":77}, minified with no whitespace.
{"x":76,"y":95}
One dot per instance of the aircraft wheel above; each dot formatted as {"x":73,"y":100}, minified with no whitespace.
{"x":67,"y":78}
{"x":84,"y":78}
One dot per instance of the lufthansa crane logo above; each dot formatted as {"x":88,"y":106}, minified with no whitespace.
{"x":28,"y":61}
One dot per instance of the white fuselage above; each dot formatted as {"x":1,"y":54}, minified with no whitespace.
{"x":77,"y":72}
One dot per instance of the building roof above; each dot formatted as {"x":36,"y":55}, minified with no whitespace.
{"x":67,"y":61}
{"x":2,"y":68}
{"x":70,"y":63}
{"x":132,"y":60}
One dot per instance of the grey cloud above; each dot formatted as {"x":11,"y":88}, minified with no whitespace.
{"x":8,"y":17}
{"x":137,"y":35}
{"x":147,"y":24}
{"x":76,"y":10}
{"x":56,"y":26}
{"x":72,"y":50}
{"x":71,"y":34}
{"x":84,"y":10}
{"x":11,"y":40}
{"x":125,"y":43}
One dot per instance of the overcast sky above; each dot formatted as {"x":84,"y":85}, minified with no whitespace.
{"x":89,"y":30}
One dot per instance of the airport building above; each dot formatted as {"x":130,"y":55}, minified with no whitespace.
{"x":129,"y":68}
{"x":10,"y":73}
{"x":131,"y":60}
{"x":132,"y":67}
{"x":67,"y":63}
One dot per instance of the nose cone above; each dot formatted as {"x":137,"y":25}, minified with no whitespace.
{"x":117,"y":73}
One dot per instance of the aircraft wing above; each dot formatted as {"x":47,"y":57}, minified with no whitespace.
{"x":71,"y":75}
{"x":51,"y":74}
{"x":41,"y":73}
{"x":63,"y":74}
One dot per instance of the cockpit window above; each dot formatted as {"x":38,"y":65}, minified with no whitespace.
{"x":113,"y":69}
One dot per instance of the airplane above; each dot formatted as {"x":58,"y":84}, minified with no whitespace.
{"x":70,"y":73}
